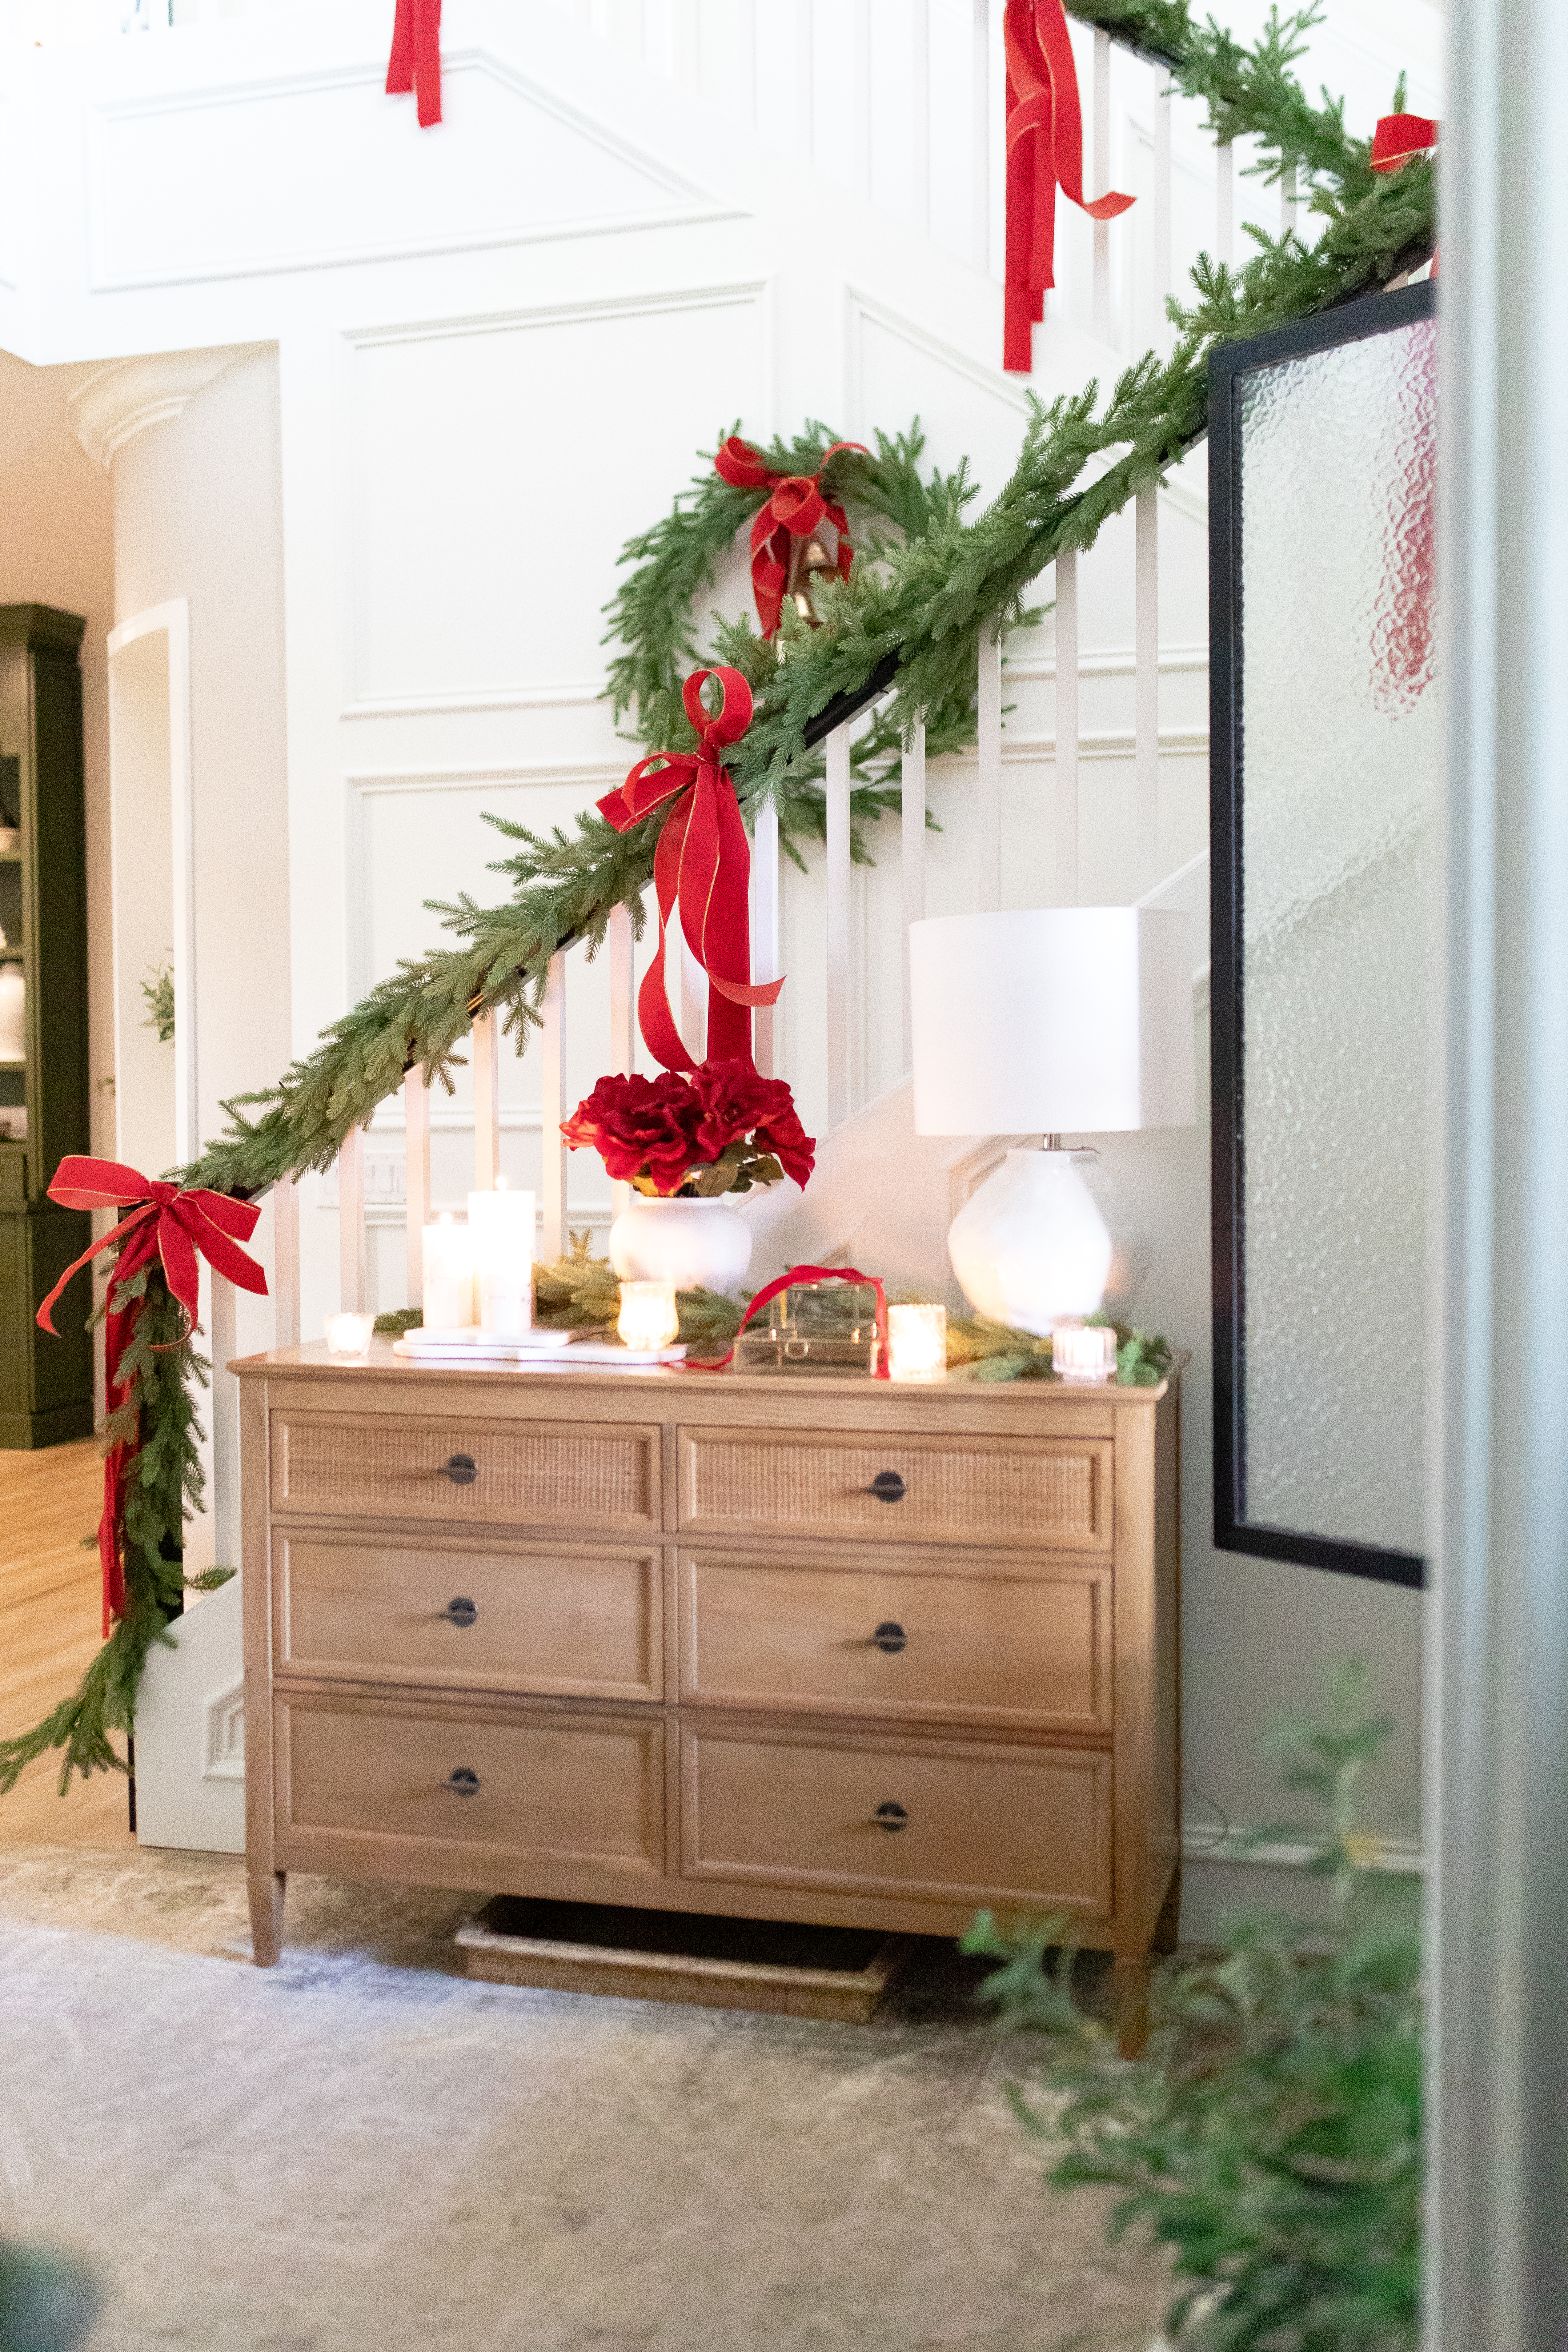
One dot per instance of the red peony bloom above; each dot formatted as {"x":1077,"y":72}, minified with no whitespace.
{"x":639,"y":1127}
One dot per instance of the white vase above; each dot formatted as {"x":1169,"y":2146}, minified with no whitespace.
{"x":1046,"y":1237}
{"x":696,"y":1245}
{"x":12,"y":1003}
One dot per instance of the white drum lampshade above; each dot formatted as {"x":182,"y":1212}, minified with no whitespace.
{"x":1073,"y":1020}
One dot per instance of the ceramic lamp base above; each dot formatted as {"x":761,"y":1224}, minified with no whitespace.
{"x":1043,"y":1240}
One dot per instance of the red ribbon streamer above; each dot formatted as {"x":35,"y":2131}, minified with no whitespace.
{"x":165,"y":1222}
{"x":793,"y":510}
{"x":1044,"y":151}
{"x":1399,"y":135}
{"x":415,"y":62}
{"x":702,"y":864}
{"x":813,"y":1274}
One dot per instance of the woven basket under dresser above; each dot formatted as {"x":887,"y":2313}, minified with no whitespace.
{"x":838,"y":1651}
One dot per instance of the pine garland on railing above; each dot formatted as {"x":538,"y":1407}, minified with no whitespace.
{"x":912,"y":612}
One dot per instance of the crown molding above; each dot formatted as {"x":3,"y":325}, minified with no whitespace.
{"x":128,"y":396}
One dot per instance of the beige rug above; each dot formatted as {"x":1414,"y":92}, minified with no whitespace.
{"x":361,"y":2151}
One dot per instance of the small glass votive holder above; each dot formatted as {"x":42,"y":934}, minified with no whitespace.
{"x":1083,"y":1351}
{"x":916,"y":1342}
{"x":649,"y":1318}
{"x":349,"y":1336}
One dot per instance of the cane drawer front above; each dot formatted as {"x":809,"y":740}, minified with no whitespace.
{"x":522,"y":1473}
{"x":950,"y":1821}
{"x":1046,"y":1493}
{"x":352,"y":1775}
{"x":963,"y":1638}
{"x":565,"y":1621}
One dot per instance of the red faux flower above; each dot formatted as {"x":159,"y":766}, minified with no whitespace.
{"x":736,"y":1102}
{"x":639,"y":1127}
{"x":663,"y":1130}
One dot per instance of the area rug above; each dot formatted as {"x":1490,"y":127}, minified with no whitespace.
{"x":361,"y":2151}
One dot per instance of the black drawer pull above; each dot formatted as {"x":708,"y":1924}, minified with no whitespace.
{"x":460,"y":1613}
{"x":887,"y":1486}
{"x":462,"y":1469}
{"x":892,"y":1817}
{"x":890,"y":1638}
{"x":464,"y":1783}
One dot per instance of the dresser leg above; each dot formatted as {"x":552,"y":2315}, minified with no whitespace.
{"x":267,"y":1888}
{"x":1132,"y":1974}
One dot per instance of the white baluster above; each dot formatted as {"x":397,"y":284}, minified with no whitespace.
{"x":1287,"y":198}
{"x":416,"y":1176}
{"x":553,"y":1065}
{"x":806,"y":78}
{"x":837,"y":962}
{"x":1146,"y":664}
{"x":1101,"y":307}
{"x":485,"y":1055}
{"x":352,"y":1282}
{"x":1224,"y":200}
{"x":765,"y":949}
{"x":988,"y":783}
{"x":913,"y":781}
{"x":226,"y":1424}
{"x":980,"y":135}
{"x":623,"y":1044}
{"x":658,"y":37}
{"x":286,"y":1262}
{"x":920,"y":111}
{"x":1066,"y":883}
{"x":1161,"y":237}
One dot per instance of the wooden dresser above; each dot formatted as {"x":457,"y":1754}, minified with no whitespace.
{"x":835,"y":1651}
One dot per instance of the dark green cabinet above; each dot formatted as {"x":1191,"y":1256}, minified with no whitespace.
{"x":46,"y":1385}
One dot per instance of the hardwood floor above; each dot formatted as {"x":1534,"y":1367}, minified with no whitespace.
{"x":49,"y":1628}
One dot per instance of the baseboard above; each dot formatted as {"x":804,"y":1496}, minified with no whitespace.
{"x":29,"y":1431}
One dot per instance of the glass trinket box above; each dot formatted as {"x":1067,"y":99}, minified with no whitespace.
{"x":814,"y":1328}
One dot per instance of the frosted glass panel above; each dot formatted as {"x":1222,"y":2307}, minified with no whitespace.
{"x":1339,"y":767}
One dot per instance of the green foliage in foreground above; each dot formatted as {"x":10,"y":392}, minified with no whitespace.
{"x":1270,"y":2135}
{"x":47,"y":2302}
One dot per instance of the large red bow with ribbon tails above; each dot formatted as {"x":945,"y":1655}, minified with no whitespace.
{"x":702,"y":863}
{"x":1044,"y":151}
{"x":793,"y":510}
{"x":166,"y":1223}
{"x":415,"y":62}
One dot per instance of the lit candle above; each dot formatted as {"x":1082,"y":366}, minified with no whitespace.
{"x":916,"y":1342}
{"x":1084,"y":1351}
{"x":448,"y":1276}
{"x":501,"y":1226}
{"x":350,"y":1335}
{"x":649,"y":1318}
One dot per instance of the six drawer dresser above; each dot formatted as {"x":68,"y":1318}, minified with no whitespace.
{"x":834,"y":1651}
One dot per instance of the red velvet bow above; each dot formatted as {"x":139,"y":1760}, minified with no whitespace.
{"x":702,"y":862}
{"x":1044,"y":151}
{"x":165,"y":1222}
{"x":1399,"y":135}
{"x":415,"y":62}
{"x":813,"y":1273}
{"x":793,"y":510}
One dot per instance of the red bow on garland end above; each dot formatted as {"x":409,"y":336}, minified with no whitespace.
{"x":415,"y":62}
{"x":1400,"y":135}
{"x":1044,"y":151}
{"x":167,"y":1223}
{"x":793,"y":510}
{"x":703,"y":863}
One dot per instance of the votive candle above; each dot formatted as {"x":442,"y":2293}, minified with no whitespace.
{"x":916,"y":1342}
{"x":350,"y":1335}
{"x":649,"y":1318}
{"x":1084,"y":1351}
{"x":501,"y":1226}
{"x":448,"y":1276}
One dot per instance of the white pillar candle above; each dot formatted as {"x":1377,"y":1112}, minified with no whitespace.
{"x":649,"y":1318}
{"x":501,"y":1223}
{"x":916,"y":1342}
{"x":448,"y":1276}
{"x":1084,"y":1351}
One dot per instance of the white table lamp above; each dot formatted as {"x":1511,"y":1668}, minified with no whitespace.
{"x":1074,"y":1020}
